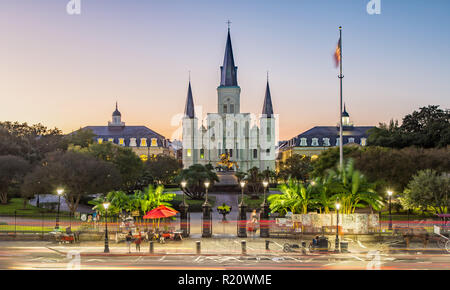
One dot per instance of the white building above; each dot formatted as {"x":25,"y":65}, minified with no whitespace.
{"x":248,"y":139}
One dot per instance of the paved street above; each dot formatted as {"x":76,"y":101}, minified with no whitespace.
{"x":46,"y":255}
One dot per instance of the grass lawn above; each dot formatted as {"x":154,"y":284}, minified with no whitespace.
{"x":16,"y":204}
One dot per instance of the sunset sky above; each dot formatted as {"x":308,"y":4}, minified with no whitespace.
{"x":68,"y":70}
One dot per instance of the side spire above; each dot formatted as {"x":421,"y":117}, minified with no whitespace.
{"x":189,"y":110}
{"x":267,"y":107}
{"x":228,"y":70}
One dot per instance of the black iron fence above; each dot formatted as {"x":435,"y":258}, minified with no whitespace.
{"x":44,"y":223}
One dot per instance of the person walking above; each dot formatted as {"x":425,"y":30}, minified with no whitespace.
{"x":138,"y":241}
{"x":128,"y":239}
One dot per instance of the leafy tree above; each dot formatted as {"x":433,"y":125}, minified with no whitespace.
{"x":427,"y":128}
{"x":142,"y":201}
{"x":254,"y":182}
{"x":164,"y":169}
{"x":35,"y":183}
{"x":269,"y":175}
{"x":329,"y":159}
{"x":297,"y":167}
{"x":195,"y":176}
{"x":428,"y":189}
{"x":79,"y":174}
{"x":296,"y":198}
{"x":240,"y":175}
{"x":29,"y":142}
{"x":82,"y":138}
{"x":124,"y":159}
{"x":12,"y":171}
{"x":353,"y":189}
{"x":324,"y":197}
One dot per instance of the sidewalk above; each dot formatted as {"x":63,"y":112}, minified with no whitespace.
{"x":210,"y":246}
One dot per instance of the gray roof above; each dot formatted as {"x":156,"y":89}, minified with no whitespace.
{"x":126,"y":132}
{"x":332,"y":133}
{"x":267,"y":107}
{"x":228,"y":70}
{"x":189,"y":109}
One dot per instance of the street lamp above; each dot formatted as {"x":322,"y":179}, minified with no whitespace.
{"x":106,"y":205}
{"x":390,"y":212}
{"x":265,"y":184}
{"x":336,"y":245}
{"x":206,"y":187}
{"x":59,"y":191}
{"x":242,"y":190}
{"x":184,"y":213}
{"x":183,"y":185}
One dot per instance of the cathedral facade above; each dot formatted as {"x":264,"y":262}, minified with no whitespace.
{"x":247,"y":140}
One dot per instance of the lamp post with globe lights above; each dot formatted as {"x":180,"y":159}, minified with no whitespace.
{"x":242,"y":222}
{"x":389,"y":192}
{"x":59,"y":191}
{"x":207,"y":217}
{"x":105,"y":206}
{"x":264,"y":227}
{"x":184,"y":224}
{"x":336,"y":245}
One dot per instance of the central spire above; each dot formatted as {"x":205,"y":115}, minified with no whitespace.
{"x":228,"y":70}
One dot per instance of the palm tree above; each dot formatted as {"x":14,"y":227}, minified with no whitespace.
{"x":324,"y":198}
{"x":296,"y":198}
{"x":353,"y":190}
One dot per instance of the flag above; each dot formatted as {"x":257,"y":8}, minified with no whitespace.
{"x":337,"y":53}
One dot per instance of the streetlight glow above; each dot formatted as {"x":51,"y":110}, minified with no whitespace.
{"x":265,"y":183}
{"x":60,"y":191}
{"x":389,"y":192}
{"x":183,"y":184}
{"x":207,"y":184}
{"x":242,"y":184}
{"x":106,"y":205}
{"x":338,"y":206}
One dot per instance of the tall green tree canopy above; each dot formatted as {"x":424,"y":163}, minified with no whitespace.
{"x":428,"y":188}
{"x":31,"y":142}
{"x":164,"y":169}
{"x":427,"y":128}
{"x":12,"y":171}
{"x":124,"y":159}
{"x":297,"y":167}
{"x":79,"y":174}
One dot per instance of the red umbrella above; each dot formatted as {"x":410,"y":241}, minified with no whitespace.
{"x":160,"y":212}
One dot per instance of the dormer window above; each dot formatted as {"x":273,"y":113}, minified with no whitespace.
{"x":111,"y":140}
{"x":337,"y":141}
{"x":326,"y":141}
{"x":100,"y":140}
{"x":315,"y":142}
{"x":121,"y":141}
{"x":143,"y":142}
{"x":363,"y":141}
{"x":351,"y":140}
{"x":154,"y":142}
{"x":303,"y":142}
{"x":133,"y":142}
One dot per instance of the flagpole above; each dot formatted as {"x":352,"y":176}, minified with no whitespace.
{"x":341,"y":149}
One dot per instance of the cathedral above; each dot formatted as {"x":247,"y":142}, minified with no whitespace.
{"x":245,"y":139}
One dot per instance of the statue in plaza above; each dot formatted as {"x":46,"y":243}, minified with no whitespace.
{"x":225,"y":162}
